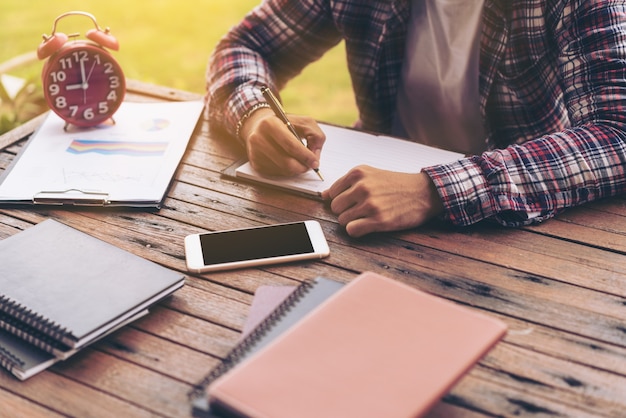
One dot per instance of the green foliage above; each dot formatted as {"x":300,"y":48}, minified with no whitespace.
{"x":27,"y":103}
{"x":168,"y":43}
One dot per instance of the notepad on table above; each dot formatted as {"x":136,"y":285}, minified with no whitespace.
{"x":374,"y":347}
{"x":127,"y":163}
{"x":347,"y":148}
{"x":62,"y":289}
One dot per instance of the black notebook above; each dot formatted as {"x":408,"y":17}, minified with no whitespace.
{"x":61,"y":289}
{"x":25,"y":360}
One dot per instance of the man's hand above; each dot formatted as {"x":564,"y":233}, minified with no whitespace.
{"x":272,"y":149}
{"x":370,"y":200}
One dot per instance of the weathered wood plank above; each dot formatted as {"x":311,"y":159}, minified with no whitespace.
{"x":164,"y":356}
{"x":15,"y":406}
{"x":509,"y":401}
{"x":68,"y":397}
{"x":9,"y":138}
{"x":572,"y":263}
{"x":138,"y":90}
{"x":601,"y":224}
{"x":152,"y":393}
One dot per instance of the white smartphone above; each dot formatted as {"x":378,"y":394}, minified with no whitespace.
{"x":246,"y":247}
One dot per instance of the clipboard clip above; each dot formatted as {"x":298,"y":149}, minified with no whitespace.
{"x":73,"y":197}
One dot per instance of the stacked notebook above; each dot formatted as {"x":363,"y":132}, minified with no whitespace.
{"x":372,"y":348}
{"x":62,"y":289}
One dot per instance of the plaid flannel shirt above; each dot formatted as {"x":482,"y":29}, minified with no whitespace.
{"x":552,"y":86}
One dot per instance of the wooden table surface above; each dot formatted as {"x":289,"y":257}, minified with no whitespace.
{"x":560,"y":286}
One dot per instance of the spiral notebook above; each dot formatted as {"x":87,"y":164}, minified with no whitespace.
{"x":374,"y":347}
{"x":61,"y":289}
{"x":25,"y":360}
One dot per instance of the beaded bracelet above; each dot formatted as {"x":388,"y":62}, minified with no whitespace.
{"x":246,"y":116}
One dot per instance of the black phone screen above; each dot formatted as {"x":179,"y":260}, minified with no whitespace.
{"x":256,"y":243}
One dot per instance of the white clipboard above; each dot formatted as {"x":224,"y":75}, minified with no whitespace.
{"x":130,"y":162}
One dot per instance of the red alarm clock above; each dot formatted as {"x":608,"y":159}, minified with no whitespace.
{"x":82,"y":82}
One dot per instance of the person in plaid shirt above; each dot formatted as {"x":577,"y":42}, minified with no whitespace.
{"x":532,"y":91}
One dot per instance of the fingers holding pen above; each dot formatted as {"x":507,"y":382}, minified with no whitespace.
{"x":311,"y":133}
{"x":278,"y":110}
{"x":272,"y":148}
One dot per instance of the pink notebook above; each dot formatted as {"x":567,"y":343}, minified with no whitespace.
{"x":375,"y":348}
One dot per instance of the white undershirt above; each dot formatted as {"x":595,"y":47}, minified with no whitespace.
{"x":438,"y":99}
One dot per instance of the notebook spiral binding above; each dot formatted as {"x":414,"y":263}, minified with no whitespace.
{"x":31,"y":335}
{"x":242,"y":348}
{"x":8,"y":360}
{"x":32,"y":319}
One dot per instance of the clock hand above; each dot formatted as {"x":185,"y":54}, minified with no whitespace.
{"x":86,"y":82}
{"x":90,"y":71}
{"x":82,"y":71}
{"x":83,"y":78}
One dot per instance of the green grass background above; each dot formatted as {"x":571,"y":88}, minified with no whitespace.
{"x":168,"y":42}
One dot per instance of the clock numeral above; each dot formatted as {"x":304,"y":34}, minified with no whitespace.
{"x":54,"y":89}
{"x":112,"y":96}
{"x":108,"y":68}
{"x":58,"y":76}
{"x":66,"y":63}
{"x":103,"y":107}
{"x":114,"y":82}
{"x":60,"y":102}
{"x":73,"y":110}
{"x":80,"y":56}
{"x":88,"y":113}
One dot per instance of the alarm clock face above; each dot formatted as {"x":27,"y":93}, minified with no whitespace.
{"x":83,"y":84}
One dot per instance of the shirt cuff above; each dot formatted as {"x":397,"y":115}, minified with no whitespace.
{"x":473,"y":190}
{"x":464,"y":191}
{"x":241,"y":104}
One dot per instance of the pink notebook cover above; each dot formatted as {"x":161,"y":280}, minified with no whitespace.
{"x":376,"y":348}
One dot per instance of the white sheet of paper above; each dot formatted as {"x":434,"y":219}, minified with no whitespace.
{"x":131,"y":161}
{"x":348,"y":148}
